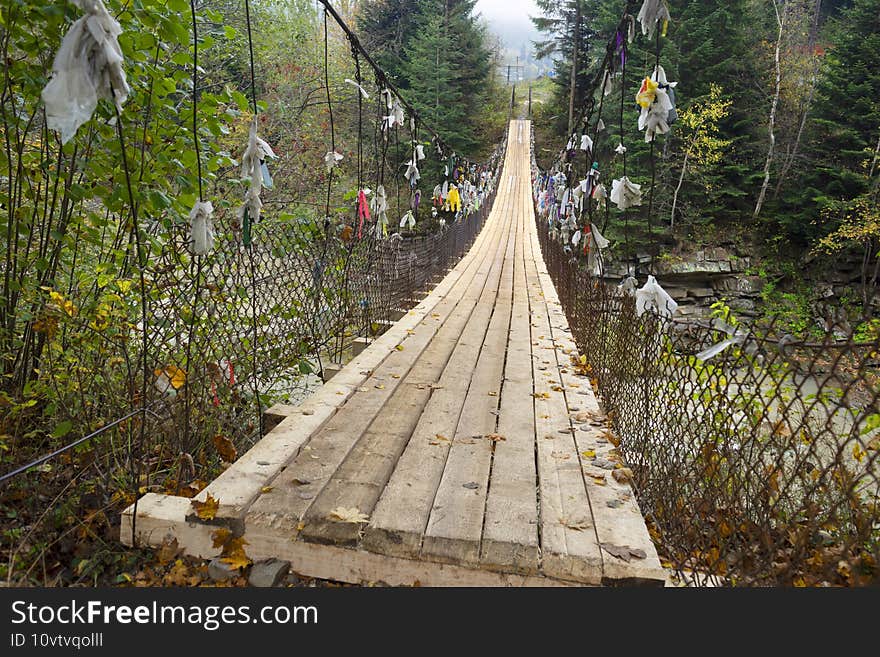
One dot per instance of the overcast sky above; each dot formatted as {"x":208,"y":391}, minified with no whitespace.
{"x":510,"y":19}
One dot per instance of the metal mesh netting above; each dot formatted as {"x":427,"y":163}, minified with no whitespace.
{"x":755,"y":466}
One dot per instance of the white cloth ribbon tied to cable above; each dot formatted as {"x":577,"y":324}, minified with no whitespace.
{"x":577,"y":196}
{"x":596,"y":245}
{"x":625,"y":193}
{"x":586,"y":143}
{"x":395,"y":115}
{"x":600,"y":194}
{"x":412,"y":174}
{"x":420,"y":153}
{"x":408,"y":220}
{"x":87,"y":66}
{"x":202,"y":227}
{"x":653,"y":298}
{"x":607,"y":84}
{"x":332,"y":159}
{"x":253,"y":168}
{"x":652,"y":12}
{"x":379,"y":206}
{"x":359,"y":87}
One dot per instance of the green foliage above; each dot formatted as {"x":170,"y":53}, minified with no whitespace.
{"x":440,"y":53}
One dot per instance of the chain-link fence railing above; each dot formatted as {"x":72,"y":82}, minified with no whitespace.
{"x":755,"y":455}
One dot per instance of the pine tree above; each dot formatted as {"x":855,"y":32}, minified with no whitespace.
{"x":438,"y":52}
{"x":847,"y":116}
{"x":713,"y":42}
{"x":385,"y":27}
{"x":569,"y":31}
{"x":432,"y":75}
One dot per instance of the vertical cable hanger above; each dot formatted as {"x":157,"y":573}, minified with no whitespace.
{"x":134,"y":457}
{"x":332,"y":124}
{"x":247,"y":228}
{"x":623,"y":60}
{"x":201,"y":231}
{"x":320,"y":265}
{"x":653,"y":156}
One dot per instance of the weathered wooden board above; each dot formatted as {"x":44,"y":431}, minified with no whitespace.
{"x":399,"y":521}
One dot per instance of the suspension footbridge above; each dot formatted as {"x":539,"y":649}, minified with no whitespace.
{"x":463,"y":447}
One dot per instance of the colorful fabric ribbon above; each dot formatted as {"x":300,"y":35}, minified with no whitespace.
{"x":363,"y":211}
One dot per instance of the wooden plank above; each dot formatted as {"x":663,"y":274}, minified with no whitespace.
{"x":162,"y":516}
{"x":455,"y":526}
{"x":510,"y":533}
{"x":618,"y":519}
{"x":310,"y":471}
{"x":569,"y":546}
{"x":368,"y":466}
{"x":401,"y":515}
{"x":362,"y":567}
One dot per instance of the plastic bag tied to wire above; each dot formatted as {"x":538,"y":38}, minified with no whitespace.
{"x":625,"y":193}
{"x":202,"y":227}
{"x":657,"y":101}
{"x":253,"y":169}
{"x":652,"y":12}
{"x":87,"y":67}
{"x":653,"y":298}
{"x":379,"y":205}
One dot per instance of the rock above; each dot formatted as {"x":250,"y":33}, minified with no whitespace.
{"x":622,"y":475}
{"x":701,"y":292}
{"x":613,"y":503}
{"x":605,"y":464}
{"x":268,"y":573}
{"x":742,"y":305}
{"x":750,"y":285}
{"x":308,"y":411}
{"x":677,"y":293}
{"x":220,"y":571}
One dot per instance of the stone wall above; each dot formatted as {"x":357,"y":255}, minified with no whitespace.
{"x":699,"y":280}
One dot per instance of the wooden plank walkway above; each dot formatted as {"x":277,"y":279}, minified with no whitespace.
{"x":455,"y":450}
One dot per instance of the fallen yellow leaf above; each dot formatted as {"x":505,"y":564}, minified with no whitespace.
{"x":345,"y":514}
{"x":207,"y":510}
